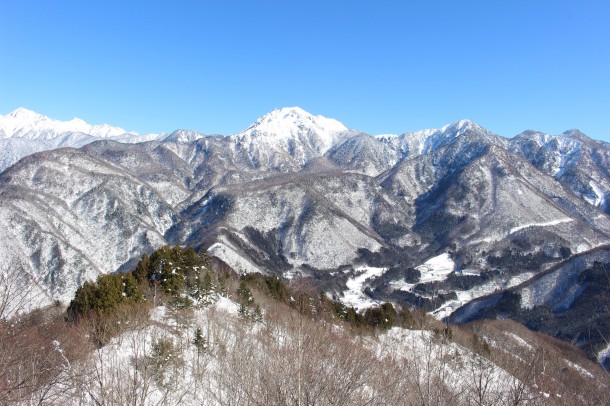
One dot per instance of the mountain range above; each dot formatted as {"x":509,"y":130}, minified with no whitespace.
{"x":24,"y":132}
{"x":458,"y":220}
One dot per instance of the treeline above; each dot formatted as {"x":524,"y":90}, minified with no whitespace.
{"x":182,"y":278}
{"x":301,"y":296}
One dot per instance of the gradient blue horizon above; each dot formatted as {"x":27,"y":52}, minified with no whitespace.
{"x":387,"y":67}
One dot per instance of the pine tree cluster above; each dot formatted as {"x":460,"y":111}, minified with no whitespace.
{"x":173,"y":273}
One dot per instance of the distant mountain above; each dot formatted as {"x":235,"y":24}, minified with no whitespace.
{"x":577,"y":161}
{"x":24,"y":132}
{"x":435,"y":218}
{"x":23,"y":123}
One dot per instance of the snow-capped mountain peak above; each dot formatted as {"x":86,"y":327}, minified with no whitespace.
{"x":24,"y":123}
{"x":293,"y":120}
{"x":289,"y":131}
{"x":24,"y":114}
{"x":577,"y":135}
{"x":463,"y":131}
{"x":459,"y":127}
{"x":184,"y":136}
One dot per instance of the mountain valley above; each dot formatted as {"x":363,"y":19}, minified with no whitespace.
{"x":458,"y":221}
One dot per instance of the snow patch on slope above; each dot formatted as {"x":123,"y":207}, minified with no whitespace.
{"x":354,"y":295}
{"x":579,"y":369}
{"x":603,"y":355}
{"x":436,"y":268}
{"x":598,"y":196}
{"x":546,"y":224}
{"x":466,"y":296}
{"x":518,"y":339}
{"x":231,"y":257}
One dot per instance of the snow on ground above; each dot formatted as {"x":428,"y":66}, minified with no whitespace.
{"x":490,"y":237}
{"x":436,"y":268}
{"x":546,"y":224}
{"x":579,"y":369}
{"x":402,"y":285}
{"x":159,"y":314}
{"x":230,"y":256}
{"x":598,"y":200}
{"x":127,"y":363}
{"x":544,"y":289}
{"x":465,"y":296}
{"x":432,"y":359}
{"x":227,"y":305}
{"x":518,"y":339}
{"x":354,"y":295}
{"x":603,"y":355}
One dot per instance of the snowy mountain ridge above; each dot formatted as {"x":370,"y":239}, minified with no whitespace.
{"x":24,"y":132}
{"x":24,"y":123}
{"x":370,"y":217}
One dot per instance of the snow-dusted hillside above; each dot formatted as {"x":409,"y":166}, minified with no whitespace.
{"x":574,"y":159}
{"x":298,"y":194}
{"x":68,"y":217}
{"x":290,"y":357}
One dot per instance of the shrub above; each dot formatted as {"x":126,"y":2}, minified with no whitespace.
{"x":165,"y":359}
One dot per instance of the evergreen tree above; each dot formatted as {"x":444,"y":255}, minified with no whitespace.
{"x":406,"y":317}
{"x":258,"y":314}
{"x":244,"y":294}
{"x":199,"y":341}
{"x":105,"y":295}
{"x":383,"y":316}
{"x":243,"y":311}
{"x":177,"y":270}
{"x":142,"y":269}
{"x":208,"y":286}
{"x":277,"y":287}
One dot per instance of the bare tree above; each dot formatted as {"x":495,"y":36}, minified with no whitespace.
{"x":19,"y":291}
{"x":37,"y":357}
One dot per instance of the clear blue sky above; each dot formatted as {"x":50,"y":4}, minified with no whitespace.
{"x":379,"y":67}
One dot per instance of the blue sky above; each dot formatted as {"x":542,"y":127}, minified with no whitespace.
{"x":379,"y":67}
